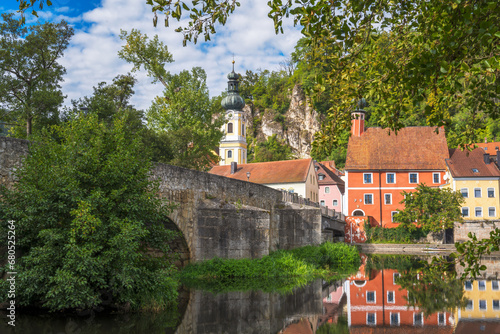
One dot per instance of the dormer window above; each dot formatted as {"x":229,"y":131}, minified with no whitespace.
{"x":475,"y":170}
{"x":321,"y":176}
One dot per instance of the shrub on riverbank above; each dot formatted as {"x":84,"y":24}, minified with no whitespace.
{"x":396,"y":235}
{"x":288,"y":267}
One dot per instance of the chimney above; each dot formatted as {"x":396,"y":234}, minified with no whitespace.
{"x":486,"y":158}
{"x":234,"y":167}
{"x":358,"y":119}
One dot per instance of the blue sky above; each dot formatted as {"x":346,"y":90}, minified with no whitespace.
{"x":92,"y":54}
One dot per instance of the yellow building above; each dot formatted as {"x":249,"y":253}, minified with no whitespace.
{"x":476,"y":175}
{"x":233,"y":146}
{"x":483,"y":300}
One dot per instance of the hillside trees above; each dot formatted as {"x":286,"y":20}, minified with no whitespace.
{"x":86,"y":217}
{"x":30,"y":73}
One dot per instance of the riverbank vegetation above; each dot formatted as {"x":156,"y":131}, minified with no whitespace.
{"x":279,"y":271}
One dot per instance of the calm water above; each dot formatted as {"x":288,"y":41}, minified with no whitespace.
{"x":389,"y":294}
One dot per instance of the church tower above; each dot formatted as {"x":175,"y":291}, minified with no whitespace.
{"x":233,"y":146}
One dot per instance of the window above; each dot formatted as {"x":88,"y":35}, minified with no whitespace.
{"x":243,"y":129}
{"x":494,"y":285}
{"x":465,"y":192}
{"x":395,"y":319}
{"x":492,"y":212}
{"x":477,"y":192}
{"x":413,"y":177}
{"x":491,"y":192}
{"x":496,"y":304}
{"x":418,"y":319}
{"x":388,"y":198}
{"x":327,"y":190}
{"x":482,"y":305}
{"x":322,"y":202}
{"x":390,"y":178}
{"x":468,"y":285}
{"x":475,"y":170}
{"x":370,"y":296}
{"x":230,"y":128}
{"x":321,"y":177}
{"x":479,"y":212}
{"x":368,"y":199}
{"x":465,"y":212}
{"x":395,"y":276}
{"x":436,"y":178}
{"x":371,"y":319}
{"x":390,"y":296}
{"x":481,"y":285}
{"x":229,"y":154}
{"x":470,"y":305}
{"x":367,"y":178}
{"x":392,"y":215}
{"x":335,"y":202}
{"x":441,"y":319}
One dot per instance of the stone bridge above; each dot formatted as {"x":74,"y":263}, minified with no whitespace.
{"x":230,"y":218}
{"x":219,"y":216}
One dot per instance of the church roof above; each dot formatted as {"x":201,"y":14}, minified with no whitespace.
{"x":413,"y":148}
{"x":288,"y":171}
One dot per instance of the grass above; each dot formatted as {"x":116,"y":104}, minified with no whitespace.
{"x":279,"y":271}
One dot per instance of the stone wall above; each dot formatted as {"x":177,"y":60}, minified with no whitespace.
{"x":480,"y":229}
{"x":12,"y":152}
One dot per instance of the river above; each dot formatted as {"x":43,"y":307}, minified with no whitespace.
{"x":388,"y":294}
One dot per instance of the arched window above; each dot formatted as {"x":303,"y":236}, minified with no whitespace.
{"x":358,"y":213}
{"x":230,"y":128}
{"x":229,"y":154}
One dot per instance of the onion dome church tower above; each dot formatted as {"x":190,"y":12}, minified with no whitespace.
{"x":233,"y":146}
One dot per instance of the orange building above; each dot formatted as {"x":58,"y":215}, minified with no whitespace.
{"x":375,"y":300}
{"x":380,"y":165}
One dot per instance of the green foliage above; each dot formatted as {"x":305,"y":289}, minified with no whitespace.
{"x":281,"y":269}
{"x":401,"y":263}
{"x":398,"y":235}
{"x":86,"y":217}
{"x":190,"y":120}
{"x":432,"y":209}
{"x":341,"y":327}
{"x":185,"y":123}
{"x":30,"y":73}
{"x":273,"y":149}
{"x":433,"y":288}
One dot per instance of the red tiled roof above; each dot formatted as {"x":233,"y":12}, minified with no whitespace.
{"x":461,"y":164}
{"x":413,"y":148}
{"x":490,"y":148}
{"x":288,"y":171}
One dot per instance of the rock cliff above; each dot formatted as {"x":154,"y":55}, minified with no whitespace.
{"x":297,"y":126}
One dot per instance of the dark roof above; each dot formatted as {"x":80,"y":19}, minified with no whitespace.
{"x":330,"y":177}
{"x":461,"y":164}
{"x":412,"y":148}
{"x":288,"y":171}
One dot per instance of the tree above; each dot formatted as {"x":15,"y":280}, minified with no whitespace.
{"x":30,"y":72}
{"x":185,"y":116}
{"x":273,"y":149}
{"x":432,"y":209}
{"x":87,"y":217}
{"x":189,"y":119}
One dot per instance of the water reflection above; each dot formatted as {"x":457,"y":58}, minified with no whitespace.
{"x":388,"y":294}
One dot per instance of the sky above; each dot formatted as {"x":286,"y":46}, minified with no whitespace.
{"x":92,"y":55}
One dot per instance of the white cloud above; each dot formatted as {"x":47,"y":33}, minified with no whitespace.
{"x":92,"y":54}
